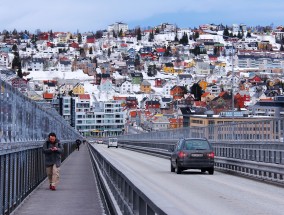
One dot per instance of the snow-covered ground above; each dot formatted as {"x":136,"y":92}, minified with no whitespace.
{"x":92,"y":89}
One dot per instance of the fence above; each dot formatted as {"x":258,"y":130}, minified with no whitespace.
{"x":21,"y":172}
{"x":24,"y":125}
{"x":270,"y":130}
{"x":24,"y":120}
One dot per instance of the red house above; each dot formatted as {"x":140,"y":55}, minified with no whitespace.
{"x":158,"y":82}
{"x":91,"y":39}
{"x":255,"y":80}
{"x":153,"y":104}
{"x":178,"y":92}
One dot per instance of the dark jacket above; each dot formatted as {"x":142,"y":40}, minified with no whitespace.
{"x":52,"y":157}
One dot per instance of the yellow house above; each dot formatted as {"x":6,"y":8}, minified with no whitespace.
{"x":189,"y":63}
{"x":78,"y":89}
{"x":169,"y":68}
{"x":145,"y":87}
{"x":220,"y":63}
{"x":203,"y":84}
{"x":178,"y":70}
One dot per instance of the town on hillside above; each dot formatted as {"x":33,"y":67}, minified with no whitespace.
{"x":163,"y":77}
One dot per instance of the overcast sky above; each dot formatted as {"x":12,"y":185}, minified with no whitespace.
{"x":93,"y":15}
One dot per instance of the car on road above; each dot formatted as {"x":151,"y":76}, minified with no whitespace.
{"x":192,"y":153}
{"x":112,"y":142}
{"x":100,"y":141}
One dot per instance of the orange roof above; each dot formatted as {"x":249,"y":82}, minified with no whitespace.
{"x":199,"y":104}
{"x":266,"y":99}
{"x":205,"y":94}
{"x":222,"y":94}
{"x":134,"y":113}
{"x":47,"y":95}
{"x":118,"y":98}
{"x":84,"y":96}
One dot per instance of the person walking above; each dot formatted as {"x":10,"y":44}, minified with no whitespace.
{"x":78,"y":143}
{"x":52,"y":150}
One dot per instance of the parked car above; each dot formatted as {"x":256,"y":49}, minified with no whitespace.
{"x":112,"y":142}
{"x":100,"y":141}
{"x":192,"y":153}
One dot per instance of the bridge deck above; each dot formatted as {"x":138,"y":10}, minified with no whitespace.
{"x":77,"y":191}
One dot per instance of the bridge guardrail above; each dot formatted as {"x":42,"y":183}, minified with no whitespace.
{"x":254,"y":160}
{"x":130,"y":199}
{"x":21,"y":171}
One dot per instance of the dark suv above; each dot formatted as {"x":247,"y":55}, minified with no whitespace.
{"x":192,"y":153}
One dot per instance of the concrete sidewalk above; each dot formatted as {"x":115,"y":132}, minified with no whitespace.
{"x":76,"y":193}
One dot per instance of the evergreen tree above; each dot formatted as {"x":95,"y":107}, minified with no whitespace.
{"x":196,"y":35}
{"x":137,"y":61}
{"x":114,"y":34}
{"x":151,"y":36}
{"x":196,"y":90}
{"x":226,"y":33}
{"x":91,"y":50}
{"x":99,"y":34}
{"x":20,"y":73}
{"x":82,"y":52}
{"x":14,"y":32}
{"x":239,"y":35}
{"x":79,"y":38}
{"x":120,"y":34}
{"x":248,"y":34}
{"x":176,"y":37}
{"x":108,"y":52}
{"x":215,"y":50}
{"x":157,"y":31}
{"x":167,"y":52}
{"x":16,"y":63}
{"x":139,"y":36}
{"x":14,"y":48}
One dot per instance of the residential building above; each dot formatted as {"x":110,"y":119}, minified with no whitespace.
{"x":145,"y":87}
{"x":244,"y":130}
{"x":117,"y":27}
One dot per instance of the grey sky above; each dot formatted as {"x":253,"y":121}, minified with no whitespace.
{"x":92,"y":15}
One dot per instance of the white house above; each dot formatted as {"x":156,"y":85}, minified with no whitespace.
{"x":167,"y":88}
{"x":126,"y":87}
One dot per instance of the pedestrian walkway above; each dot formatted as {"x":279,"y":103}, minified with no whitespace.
{"x":77,"y":192}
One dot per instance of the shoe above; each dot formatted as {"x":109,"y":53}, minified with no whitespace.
{"x":52,"y":188}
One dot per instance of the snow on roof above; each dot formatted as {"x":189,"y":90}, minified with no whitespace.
{"x":49,"y":75}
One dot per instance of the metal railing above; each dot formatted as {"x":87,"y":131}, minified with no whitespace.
{"x":24,"y":120}
{"x":24,"y":125}
{"x":270,"y":130}
{"x":261,"y":161}
{"x":21,"y":171}
{"x":129,"y":198}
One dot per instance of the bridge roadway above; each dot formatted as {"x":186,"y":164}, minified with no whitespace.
{"x":77,"y":192}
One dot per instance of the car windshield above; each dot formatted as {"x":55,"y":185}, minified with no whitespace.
{"x":196,"y":145}
{"x":112,"y":140}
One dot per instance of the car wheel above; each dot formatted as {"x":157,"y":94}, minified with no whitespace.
{"x":117,"y":147}
{"x":203,"y":170}
{"x":172,"y":168}
{"x":211,"y":171}
{"x":178,"y":169}
{"x":108,"y":146}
